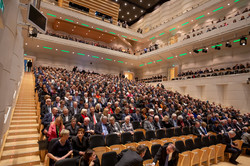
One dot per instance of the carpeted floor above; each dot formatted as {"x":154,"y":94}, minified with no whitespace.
{"x":243,"y":160}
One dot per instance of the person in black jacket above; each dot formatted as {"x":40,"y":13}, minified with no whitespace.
{"x":132,"y":157}
{"x":102,"y":127}
{"x":231,"y":147}
{"x":73,"y":128}
{"x":167,"y":152}
{"x":197,"y":130}
{"x":79,"y":143}
{"x":217,"y":128}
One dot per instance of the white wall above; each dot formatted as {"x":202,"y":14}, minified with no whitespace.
{"x":11,"y":59}
{"x":231,"y":90}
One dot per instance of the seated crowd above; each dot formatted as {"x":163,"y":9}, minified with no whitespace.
{"x":77,"y":105}
{"x":236,"y":69}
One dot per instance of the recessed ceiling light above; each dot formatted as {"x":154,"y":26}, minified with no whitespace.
{"x":228,"y":4}
{"x":60,"y":17}
{"x":37,"y":46}
{"x":88,"y":55}
{"x":120,"y":9}
{"x":26,"y":44}
{"x":127,"y":12}
{"x":116,"y":0}
{"x":208,"y":13}
{"x":102,"y":34}
{"x":41,"y":11}
{"x":190,"y":52}
{"x":99,"y":36}
{"x":133,"y":7}
{"x":72,"y":29}
{"x":114,"y":60}
{"x":77,"y":22}
{"x":125,"y":4}
{"x":86,"y":33}
{"x":149,"y":4}
{"x":192,"y":20}
{"x":122,"y":16}
{"x":73,"y":52}
{"x":56,"y":49}
{"x":140,"y":0}
{"x":74,"y":26}
{"x":141,"y":11}
{"x":135,"y":15}
{"x":102,"y":57}
{"x":57,"y":26}
{"x":176,"y":56}
{"x":58,"y":22}
{"x":130,"y":19}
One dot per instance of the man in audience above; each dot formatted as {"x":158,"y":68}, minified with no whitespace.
{"x":73,"y":128}
{"x":88,"y":127}
{"x":157,"y":123}
{"x":57,"y":102}
{"x":197,"y":130}
{"x":127,"y":126}
{"x":93,"y":116}
{"x":70,"y":102}
{"x":102,"y":127}
{"x":48,"y":118}
{"x":231,"y":147}
{"x":74,"y":110}
{"x":46,"y":108}
{"x":173,"y":121}
{"x":148,"y":124}
{"x":137,"y":115}
{"x":66,"y":117}
{"x":216,"y":128}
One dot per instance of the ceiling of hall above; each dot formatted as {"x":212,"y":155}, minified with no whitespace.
{"x":132,"y":10}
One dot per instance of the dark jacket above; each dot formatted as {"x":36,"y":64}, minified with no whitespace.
{"x":196,"y":132}
{"x":97,"y":116}
{"x":227,"y":141}
{"x":162,"y":154}
{"x":98,"y":128}
{"x":78,"y":146}
{"x":130,"y":158}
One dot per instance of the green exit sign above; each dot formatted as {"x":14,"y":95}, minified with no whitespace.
{"x":1,"y":6}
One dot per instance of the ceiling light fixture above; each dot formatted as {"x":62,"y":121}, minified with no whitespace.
{"x":243,"y":41}
{"x":228,"y":44}
{"x":125,"y":4}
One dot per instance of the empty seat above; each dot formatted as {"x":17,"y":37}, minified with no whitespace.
{"x":96,"y":141}
{"x":126,"y":138}
{"x":117,"y":148}
{"x":212,"y":140}
{"x":177,"y":131}
{"x":154,"y":149}
{"x":161,"y":133}
{"x":109,"y":159}
{"x":205,"y":141}
{"x":150,"y":135}
{"x":190,"y":144}
{"x":136,"y":125}
{"x":185,"y":130}
{"x":100,"y":150}
{"x":169,"y":132}
{"x":112,"y":139}
{"x":139,"y":136}
{"x":198,"y":143}
{"x":219,"y":138}
{"x":180,"y":146}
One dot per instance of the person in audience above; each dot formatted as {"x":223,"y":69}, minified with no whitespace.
{"x":127,"y":126}
{"x":157,"y":123}
{"x":88,"y":127}
{"x":75,"y":109}
{"x":61,"y":107}
{"x":66,"y":117}
{"x":49,"y":117}
{"x":117,"y":115}
{"x":89,"y":159}
{"x":216,"y":128}
{"x":166,"y":123}
{"x":80,"y":143}
{"x":180,"y":121}
{"x":204,"y":128}
{"x":73,"y":128}
{"x":188,"y":121}
{"x":70,"y":102}
{"x":55,"y":128}
{"x":61,"y":149}
{"x":148,"y":124}
{"x":114,"y":126}
{"x":167,"y":155}
{"x":47,"y":108}
{"x":173,"y":121}
{"x":231,"y":147}
{"x":105,"y":113}
{"x":57,"y":102}
{"x":102,"y":127}
{"x":132,"y":157}
{"x":93,"y":116}
{"x":84,"y":114}
{"x":197,"y":130}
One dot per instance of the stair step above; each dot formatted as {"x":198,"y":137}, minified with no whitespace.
{"x":25,"y":108}
{"x":20,"y":144}
{"x":26,"y":111}
{"x":23,"y":126}
{"x":20,"y":122}
{"x":24,"y":117}
{"x":21,"y":161}
{"x":24,"y":114}
{"x":20,"y":153}
{"x":12,"y":138}
{"x":22,"y":131}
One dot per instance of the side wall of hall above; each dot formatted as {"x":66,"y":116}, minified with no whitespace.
{"x":11,"y":61}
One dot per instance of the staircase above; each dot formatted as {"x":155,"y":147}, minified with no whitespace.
{"x":21,"y":147}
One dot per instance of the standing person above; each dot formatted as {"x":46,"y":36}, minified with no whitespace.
{"x":167,"y":155}
{"x":29,"y":64}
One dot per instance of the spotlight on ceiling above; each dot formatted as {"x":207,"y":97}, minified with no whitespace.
{"x":196,"y":51}
{"x":243,"y":41}
{"x":204,"y":50}
{"x":228,"y":44}
{"x":217,"y":47}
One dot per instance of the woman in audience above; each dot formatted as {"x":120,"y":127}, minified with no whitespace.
{"x":89,"y":159}
{"x":84,"y":113}
{"x":127,"y":126}
{"x":117,"y":115}
{"x":55,"y":128}
{"x":166,"y":123}
{"x":80,"y":143}
{"x":61,"y":149}
{"x":106,"y":113}
{"x":180,"y":121}
{"x":98,"y":108}
{"x":73,"y":128}
{"x":114,"y":126}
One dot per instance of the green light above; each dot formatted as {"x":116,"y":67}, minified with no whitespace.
{"x":112,"y":33}
{"x":184,"y":24}
{"x":95,"y":56}
{"x":120,"y":61}
{"x":183,"y":54}
{"x":25,"y":54}
{"x":217,"y":45}
{"x":141,"y":65}
{"x":152,"y":38}
{"x":159,"y":60}
{"x":236,"y":0}
{"x":172,"y":29}
{"x":81,"y":54}
{"x":170,"y":57}
{"x":49,"y":48}
{"x":161,"y":34}
{"x":135,"y":39}
{"x":99,"y":29}
{"x":124,"y":36}
{"x":65,"y":51}
{"x":108,"y":59}
{"x":85,"y":25}
{"x":218,"y":9}
{"x":69,"y":20}
{"x":200,"y":17}
{"x":236,"y":40}
{"x":51,"y":15}
{"x":200,"y":50}
{"x":149,"y":63}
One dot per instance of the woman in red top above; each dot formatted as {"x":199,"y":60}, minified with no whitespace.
{"x":84,"y":113}
{"x":55,"y":128}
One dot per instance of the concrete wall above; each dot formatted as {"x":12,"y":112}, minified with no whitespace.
{"x":11,"y":60}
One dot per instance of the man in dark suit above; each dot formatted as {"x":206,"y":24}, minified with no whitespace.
{"x":132,"y":158}
{"x":74,"y":110}
{"x":88,"y":127}
{"x":157,"y":123}
{"x":70,"y":102}
{"x":167,"y":155}
{"x":46,"y":108}
{"x":102,"y":127}
{"x":57,"y":102}
{"x":137,"y":116}
{"x":94,"y":117}
{"x":231,"y":147}
{"x":48,"y":118}
{"x":197,"y":130}
{"x":66,"y":117}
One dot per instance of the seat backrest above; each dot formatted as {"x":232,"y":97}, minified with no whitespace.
{"x":96,"y":141}
{"x":147,"y":155}
{"x":154,"y":149}
{"x":169,"y":132}
{"x":112,"y":139}
{"x":126,"y":138}
{"x":136,"y":125}
{"x":150,"y":135}
{"x":161,"y":133}
{"x":180,"y":146}
{"x":189,"y":144}
{"x":51,"y":143}
{"x":212,"y":140}
{"x":185,"y":130}
{"x":139,"y":136}
{"x":205,"y":141}
{"x":109,"y":159}
{"x":219,"y":138}
{"x":197,"y":142}
{"x":177,"y":131}
{"x":66,"y":162}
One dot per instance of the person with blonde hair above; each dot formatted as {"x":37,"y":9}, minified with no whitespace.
{"x":166,"y":123}
{"x":55,"y":128}
{"x":61,"y":149}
